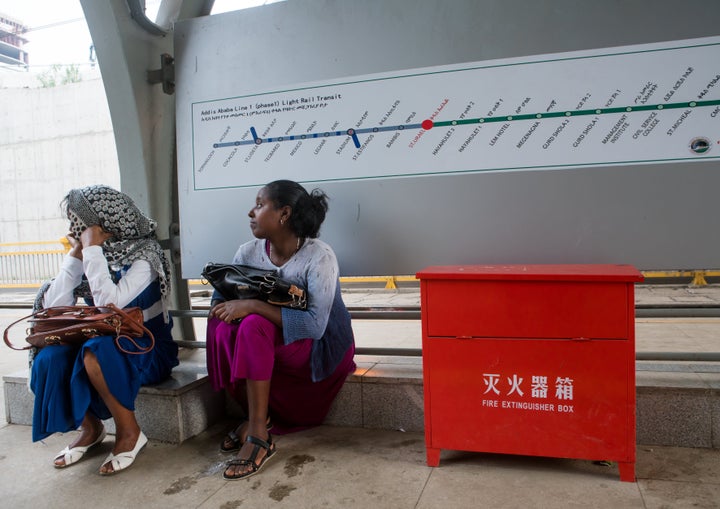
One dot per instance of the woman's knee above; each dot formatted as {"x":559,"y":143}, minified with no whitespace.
{"x":218,"y":330}
{"x":56,"y":356}
{"x":257,"y":324}
{"x":52,"y":364}
{"x":259,"y":335}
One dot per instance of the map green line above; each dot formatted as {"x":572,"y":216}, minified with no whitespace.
{"x":577,"y":113}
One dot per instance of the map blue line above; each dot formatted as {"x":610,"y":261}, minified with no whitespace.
{"x":323,"y":134}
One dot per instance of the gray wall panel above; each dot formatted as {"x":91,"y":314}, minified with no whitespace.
{"x":658,"y":216}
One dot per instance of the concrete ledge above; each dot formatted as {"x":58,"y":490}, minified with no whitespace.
{"x":677,"y":404}
{"x":18,"y":398}
{"x":384,"y":393}
{"x":179,"y":408}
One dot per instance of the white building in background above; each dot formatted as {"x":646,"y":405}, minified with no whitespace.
{"x":12,"y":41}
{"x":52,"y":139}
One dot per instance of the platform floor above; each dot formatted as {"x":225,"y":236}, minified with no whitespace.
{"x":347,"y":468}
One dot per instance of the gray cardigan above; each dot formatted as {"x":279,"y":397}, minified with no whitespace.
{"x":326,"y":320}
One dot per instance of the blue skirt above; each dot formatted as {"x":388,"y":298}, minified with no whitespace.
{"x":64,"y":394}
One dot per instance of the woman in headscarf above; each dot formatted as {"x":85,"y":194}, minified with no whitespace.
{"x":114,"y":258}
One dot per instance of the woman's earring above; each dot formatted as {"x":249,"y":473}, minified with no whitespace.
{"x":282,"y":221}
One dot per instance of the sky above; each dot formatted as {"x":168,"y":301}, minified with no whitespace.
{"x":59,"y":34}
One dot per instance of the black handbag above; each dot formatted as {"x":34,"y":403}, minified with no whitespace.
{"x":235,"y":281}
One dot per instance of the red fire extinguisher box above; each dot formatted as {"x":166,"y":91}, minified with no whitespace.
{"x":535,"y":360}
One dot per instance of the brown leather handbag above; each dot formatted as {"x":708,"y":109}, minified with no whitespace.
{"x":73,"y":325}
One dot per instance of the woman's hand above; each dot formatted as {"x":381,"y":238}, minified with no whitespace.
{"x":75,"y":246}
{"x":232,"y":310}
{"x":94,"y":236}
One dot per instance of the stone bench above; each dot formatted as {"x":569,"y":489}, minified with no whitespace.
{"x":678,"y":404}
{"x":173,"y":411}
{"x":378,"y":395}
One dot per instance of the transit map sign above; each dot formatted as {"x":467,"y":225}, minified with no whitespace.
{"x":651,"y":103}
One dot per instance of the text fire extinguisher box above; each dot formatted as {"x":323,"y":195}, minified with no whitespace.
{"x":534,"y":360}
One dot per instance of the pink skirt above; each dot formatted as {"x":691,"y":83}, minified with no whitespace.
{"x":254,"y":349}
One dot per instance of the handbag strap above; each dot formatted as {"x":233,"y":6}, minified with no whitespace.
{"x":60,"y":310}
{"x":7,"y":332}
{"x":147,"y":332}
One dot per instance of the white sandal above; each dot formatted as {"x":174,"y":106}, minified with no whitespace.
{"x":75,"y":454}
{"x":123,"y":460}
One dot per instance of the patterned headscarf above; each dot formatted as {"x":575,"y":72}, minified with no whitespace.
{"x":133,"y":233}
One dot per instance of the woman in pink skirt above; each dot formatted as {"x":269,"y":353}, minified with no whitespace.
{"x":276,"y":361}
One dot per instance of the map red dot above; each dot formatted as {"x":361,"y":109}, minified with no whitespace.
{"x":427,"y":124}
